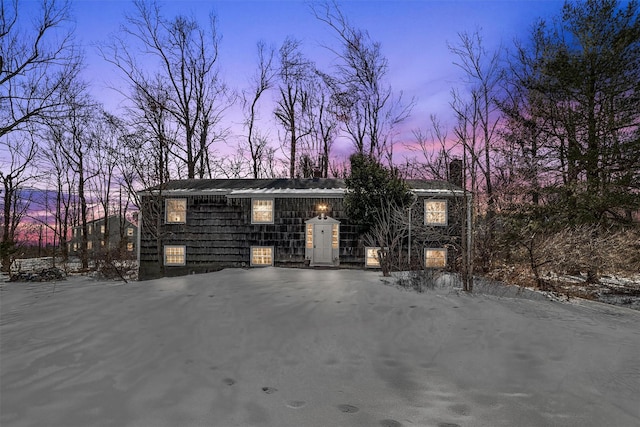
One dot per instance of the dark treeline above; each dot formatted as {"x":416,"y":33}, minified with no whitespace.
{"x":547,"y":129}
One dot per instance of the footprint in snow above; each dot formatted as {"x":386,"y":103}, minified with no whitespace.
{"x":269,"y":390}
{"x":348,"y":409}
{"x":229,"y":381}
{"x":296,"y":404}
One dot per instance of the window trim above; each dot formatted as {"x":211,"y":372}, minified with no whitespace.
{"x":446,"y":255}
{"x":166,"y":210}
{"x":446,"y":213}
{"x":366,"y":257}
{"x":175,"y":264}
{"x":273,"y":209}
{"x":252,"y":264}
{"x":129,"y":231}
{"x":129,"y":246}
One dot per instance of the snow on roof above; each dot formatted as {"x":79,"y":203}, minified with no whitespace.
{"x":283,"y":187}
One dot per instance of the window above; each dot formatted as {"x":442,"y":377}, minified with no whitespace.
{"x":101,"y":242}
{"x":75,"y":247}
{"x":335,"y":236}
{"x":174,"y":255}
{"x":129,"y":231}
{"x":309,"y":236}
{"x":129,"y":247}
{"x":176,"y":210}
{"x":261,"y":255}
{"x":435,"y":212}
{"x":102,"y":229}
{"x":262,"y":211}
{"x":435,"y":258}
{"x":89,"y":229}
{"x":89,"y":245}
{"x":371,"y":257}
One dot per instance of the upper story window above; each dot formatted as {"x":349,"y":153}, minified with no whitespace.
{"x":89,"y":228}
{"x":262,"y":211}
{"x":435,"y":212}
{"x":102,"y":229}
{"x":129,"y":231}
{"x":176,"y":211}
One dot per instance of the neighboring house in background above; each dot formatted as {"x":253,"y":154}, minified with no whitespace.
{"x":123,"y":234}
{"x":196,"y":226}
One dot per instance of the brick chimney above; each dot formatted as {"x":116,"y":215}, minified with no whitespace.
{"x":455,"y":172}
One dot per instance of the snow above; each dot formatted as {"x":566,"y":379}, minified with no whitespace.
{"x":297,"y":347}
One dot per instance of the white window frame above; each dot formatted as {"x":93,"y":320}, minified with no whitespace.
{"x":446,"y":213}
{"x":129,"y":247}
{"x":368,"y":259}
{"x":251,"y":255}
{"x":102,"y":229}
{"x":129,"y":231}
{"x":426,"y":260}
{"x":89,"y":245}
{"x":176,"y":219}
{"x":257,"y":202}
{"x":168,"y":248}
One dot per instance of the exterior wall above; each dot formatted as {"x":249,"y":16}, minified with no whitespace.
{"x":218,"y":233}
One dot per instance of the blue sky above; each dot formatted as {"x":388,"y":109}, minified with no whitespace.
{"x":413,"y":33}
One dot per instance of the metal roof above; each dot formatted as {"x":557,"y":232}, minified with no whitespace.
{"x":284,"y":187}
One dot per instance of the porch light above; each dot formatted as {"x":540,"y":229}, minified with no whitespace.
{"x":323,"y":207}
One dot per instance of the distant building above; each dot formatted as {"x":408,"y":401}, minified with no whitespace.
{"x":200,"y":225}
{"x":123,"y":236}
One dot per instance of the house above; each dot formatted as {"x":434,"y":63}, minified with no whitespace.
{"x":201,"y":225}
{"x":122,"y":235}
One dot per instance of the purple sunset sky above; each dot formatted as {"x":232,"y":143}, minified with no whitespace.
{"x":414,"y":36}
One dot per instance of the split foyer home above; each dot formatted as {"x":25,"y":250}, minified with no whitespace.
{"x":201,"y":225}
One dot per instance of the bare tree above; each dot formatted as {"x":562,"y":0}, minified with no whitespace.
{"x":478,"y":118}
{"x":37,"y":64}
{"x":261,"y":82}
{"x":323,"y":125}
{"x":293,"y":98}
{"x":76,"y":145}
{"x":15,"y":174}
{"x":370,"y":111}
{"x":186,"y":83}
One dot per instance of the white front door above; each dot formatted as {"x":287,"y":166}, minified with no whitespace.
{"x":322,"y":250}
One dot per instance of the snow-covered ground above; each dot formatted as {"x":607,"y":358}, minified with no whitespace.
{"x":286,"y":347}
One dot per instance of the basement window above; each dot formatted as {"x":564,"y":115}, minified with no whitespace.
{"x":261,"y":255}
{"x":371,"y":257}
{"x":262,"y":211}
{"x":175,"y":255}
{"x":435,"y":258}
{"x":176,"y":211}
{"x":435,"y":212}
